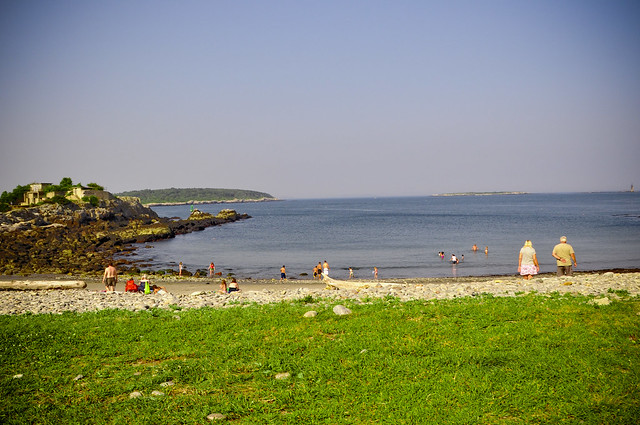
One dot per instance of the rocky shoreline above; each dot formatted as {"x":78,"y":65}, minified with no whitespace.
{"x":229,"y":201}
{"x":81,"y":238}
{"x":183,"y":295}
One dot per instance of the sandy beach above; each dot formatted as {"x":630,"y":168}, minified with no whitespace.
{"x":188,"y":285}
{"x":189,"y":293}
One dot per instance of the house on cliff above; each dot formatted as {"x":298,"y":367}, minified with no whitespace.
{"x":39,"y":192}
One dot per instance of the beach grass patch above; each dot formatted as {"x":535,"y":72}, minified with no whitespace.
{"x":530,"y":359}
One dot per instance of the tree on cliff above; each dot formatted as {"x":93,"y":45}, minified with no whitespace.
{"x":12,"y":198}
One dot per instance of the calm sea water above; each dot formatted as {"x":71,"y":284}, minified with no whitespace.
{"x":402,"y":236}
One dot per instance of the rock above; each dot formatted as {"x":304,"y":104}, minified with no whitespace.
{"x":167,"y":384}
{"x":311,"y":313}
{"x":79,"y":377}
{"x":157,"y":393}
{"x":18,"y":376}
{"x":600,"y":301}
{"x":341,"y":310}
{"x":216,"y":417}
{"x":49,"y":284}
{"x":135,"y":394}
{"x":282,"y":376}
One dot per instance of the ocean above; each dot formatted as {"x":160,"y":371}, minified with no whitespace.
{"x":402,"y":236}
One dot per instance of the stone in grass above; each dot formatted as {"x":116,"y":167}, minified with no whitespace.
{"x":216,"y":417}
{"x":282,"y":376}
{"x":157,"y":393}
{"x":600,"y":301}
{"x":341,"y":310}
{"x":167,"y":384}
{"x":135,"y":394}
{"x":79,"y":377}
{"x":311,"y":313}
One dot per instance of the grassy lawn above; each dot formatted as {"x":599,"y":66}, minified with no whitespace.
{"x":484,"y":360}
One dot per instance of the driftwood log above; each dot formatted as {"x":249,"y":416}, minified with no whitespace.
{"x":27,"y":285}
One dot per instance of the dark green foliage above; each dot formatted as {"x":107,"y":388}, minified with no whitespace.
{"x":57,"y":200}
{"x":149,"y":196}
{"x":14,"y":197}
{"x":95,"y":186}
{"x":65,"y":185}
{"x":93,"y":200}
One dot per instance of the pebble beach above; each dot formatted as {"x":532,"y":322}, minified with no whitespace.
{"x":192,"y":294}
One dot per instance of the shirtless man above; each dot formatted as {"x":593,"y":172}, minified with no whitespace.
{"x":110,"y":278}
{"x":325,"y":268}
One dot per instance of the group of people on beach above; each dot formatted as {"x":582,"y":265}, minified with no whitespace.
{"x":322,"y":270}
{"x":232,"y":287}
{"x":563,"y":253}
{"x":528,"y":267}
{"x":110,"y":279}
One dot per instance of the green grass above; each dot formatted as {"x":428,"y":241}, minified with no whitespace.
{"x":483,"y":360}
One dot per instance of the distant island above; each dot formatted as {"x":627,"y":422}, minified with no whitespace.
{"x":173,"y":196}
{"x":480,"y":193}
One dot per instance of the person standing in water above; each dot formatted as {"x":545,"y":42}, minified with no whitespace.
{"x":325,"y":268}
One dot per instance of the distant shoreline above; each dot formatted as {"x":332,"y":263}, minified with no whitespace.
{"x":229,"y":201}
{"x":480,"y":193}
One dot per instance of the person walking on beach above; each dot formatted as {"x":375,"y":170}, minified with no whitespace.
{"x":110,"y":278}
{"x":528,"y":261}
{"x":283,"y":273}
{"x":350,"y":273}
{"x":212,"y":269}
{"x":375,"y":272}
{"x":564,"y":253}
{"x":180,"y":269}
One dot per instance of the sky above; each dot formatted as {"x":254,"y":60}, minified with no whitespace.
{"x":322,"y":99}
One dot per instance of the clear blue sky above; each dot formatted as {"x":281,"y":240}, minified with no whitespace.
{"x":322,"y":99}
